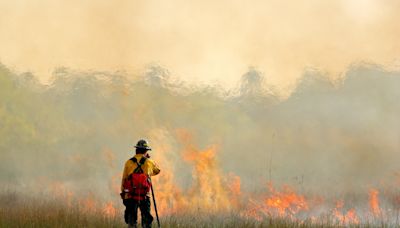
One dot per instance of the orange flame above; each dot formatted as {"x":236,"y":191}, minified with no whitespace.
{"x":374,"y":202}
{"x":349,"y":217}
{"x":88,"y":205}
{"x":212,"y":191}
{"x":234,"y":186}
{"x":285,"y":203}
{"x":109,"y":210}
{"x":208,"y":191}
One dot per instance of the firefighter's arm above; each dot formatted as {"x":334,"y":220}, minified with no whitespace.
{"x":124,"y":176}
{"x":155,"y":169}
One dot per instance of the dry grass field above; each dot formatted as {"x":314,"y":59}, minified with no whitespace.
{"x":18,"y":211}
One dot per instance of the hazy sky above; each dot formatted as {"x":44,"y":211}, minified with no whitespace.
{"x":200,"y":41}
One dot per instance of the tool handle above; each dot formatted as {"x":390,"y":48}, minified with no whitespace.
{"x":155,"y":205}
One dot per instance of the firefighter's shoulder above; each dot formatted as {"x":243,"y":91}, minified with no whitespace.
{"x":129,"y":162}
{"x":151,"y":161}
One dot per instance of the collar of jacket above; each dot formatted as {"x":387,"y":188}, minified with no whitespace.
{"x":139,"y":155}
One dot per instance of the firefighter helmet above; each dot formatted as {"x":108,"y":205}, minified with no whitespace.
{"x":142,"y":144}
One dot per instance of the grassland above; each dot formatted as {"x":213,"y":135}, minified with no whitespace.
{"x":17,"y":211}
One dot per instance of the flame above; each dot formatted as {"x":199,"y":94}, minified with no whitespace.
{"x":286,"y":203}
{"x":167,"y":192}
{"x":109,"y":210}
{"x":212,"y":191}
{"x":374,"y":202}
{"x":209,"y":191}
{"x":61,"y":192}
{"x":234,"y":184}
{"x":253,"y":211}
{"x":168,"y":195}
{"x":349,"y":217}
{"x":88,"y":205}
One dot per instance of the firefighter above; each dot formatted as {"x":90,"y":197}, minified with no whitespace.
{"x":133,"y":193}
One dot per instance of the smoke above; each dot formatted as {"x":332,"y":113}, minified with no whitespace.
{"x":327,"y":135}
{"x":202,"y":41}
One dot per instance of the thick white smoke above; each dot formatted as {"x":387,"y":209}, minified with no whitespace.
{"x":339,"y":136}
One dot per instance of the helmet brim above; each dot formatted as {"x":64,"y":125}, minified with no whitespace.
{"x":140,"y":147}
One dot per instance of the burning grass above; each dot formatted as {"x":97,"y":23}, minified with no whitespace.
{"x":280,"y":209}
{"x":27,"y":211}
{"x":34,"y":212}
{"x":213,"y":199}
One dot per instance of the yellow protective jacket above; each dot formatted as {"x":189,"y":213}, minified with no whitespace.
{"x":149,"y":168}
